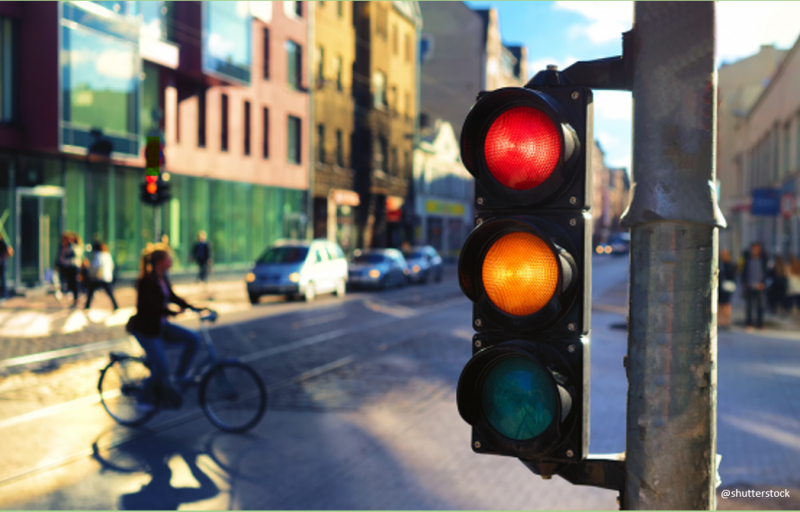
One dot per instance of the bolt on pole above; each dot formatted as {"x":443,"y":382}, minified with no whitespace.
{"x":674,"y":219}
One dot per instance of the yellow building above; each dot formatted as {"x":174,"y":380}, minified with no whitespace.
{"x":386,"y":93}
{"x":334,"y":43}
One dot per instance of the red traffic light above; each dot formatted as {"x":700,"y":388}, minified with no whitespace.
{"x":522,"y":148}
{"x":151,"y":179}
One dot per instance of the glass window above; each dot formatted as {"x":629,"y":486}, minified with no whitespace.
{"x":8,"y":70}
{"x":224,"y":123}
{"x":320,"y":65}
{"x":201,"y":117}
{"x":226,"y":42}
{"x":265,"y":35}
{"x":284,"y":254}
{"x":320,"y":256}
{"x":293,"y":9}
{"x":408,"y":48}
{"x":294,"y":59}
{"x":220,"y":234}
{"x":370,"y":258}
{"x":340,"y":9}
{"x":237,"y":226}
{"x":100,"y":80}
{"x":321,"y":143}
{"x":395,"y":162}
{"x":339,"y":149}
{"x":379,"y":89}
{"x":122,"y":8}
{"x":395,"y":40}
{"x":257,"y":230}
{"x":337,"y":65}
{"x":295,"y":140}
{"x":127,"y":239}
{"x":265,"y":133}
{"x":246,"y":127}
{"x":154,"y":19}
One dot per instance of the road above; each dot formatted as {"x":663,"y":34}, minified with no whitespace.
{"x":361,"y":416}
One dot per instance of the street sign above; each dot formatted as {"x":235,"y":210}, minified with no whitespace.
{"x":766,"y":202}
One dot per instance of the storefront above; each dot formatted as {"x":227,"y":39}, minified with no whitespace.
{"x":41,"y":196}
{"x":443,"y":225}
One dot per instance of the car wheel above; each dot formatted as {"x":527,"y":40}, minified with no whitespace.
{"x":341,"y":288}
{"x":311,"y":292}
{"x":253,"y":298}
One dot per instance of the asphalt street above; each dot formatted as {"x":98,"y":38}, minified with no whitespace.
{"x":362,"y":415}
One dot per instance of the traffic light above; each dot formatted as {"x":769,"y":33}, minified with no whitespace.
{"x":156,"y":189}
{"x":527,"y":269}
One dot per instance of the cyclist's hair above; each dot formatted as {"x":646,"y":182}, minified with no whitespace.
{"x":150,"y":257}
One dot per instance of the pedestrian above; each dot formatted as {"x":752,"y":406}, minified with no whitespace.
{"x":776,"y":292}
{"x":152,"y":330}
{"x":201,"y":253}
{"x":793,"y":287}
{"x":101,"y":274}
{"x":6,"y":252}
{"x":754,"y":278}
{"x":70,"y":257}
{"x":727,"y":285}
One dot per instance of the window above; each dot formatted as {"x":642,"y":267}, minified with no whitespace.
{"x":247,"y":128}
{"x":294,"y":141}
{"x":395,"y":162}
{"x":224,"y":127}
{"x":201,"y":118}
{"x":265,"y":140}
{"x":407,"y":163}
{"x":339,"y":149}
{"x":337,"y":64}
{"x":383,"y":154}
{"x":395,"y":42}
{"x":395,"y":105}
{"x":265,"y":35}
{"x":382,"y":21}
{"x":321,"y":4}
{"x":408,"y":48}
{"x":293,"y":9}
{"x":408,"y":106}
{"x":294,"y":58}
{"x":320,"y":65}
{"x":379,"y":89}
{"x":227,"y":48}
{"x":787,"y":141}
{"x":321,"y":143}
{"x":340,"y":9}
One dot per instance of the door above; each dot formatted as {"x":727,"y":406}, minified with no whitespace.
{"x":39,"y":225}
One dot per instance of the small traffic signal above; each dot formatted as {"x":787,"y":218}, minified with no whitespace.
{"x":527,"y":268}
{"x":155,"y":191}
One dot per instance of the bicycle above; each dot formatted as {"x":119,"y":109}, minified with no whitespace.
{"x":229,"y":390}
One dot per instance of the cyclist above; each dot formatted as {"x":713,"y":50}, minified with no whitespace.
{"x":152,"y":330}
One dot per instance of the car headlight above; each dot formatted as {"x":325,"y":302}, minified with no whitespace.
{"x":415,"y":268}
{"x":294,"y":277}
{"x":609,"y":249}
{"x":374,"y":273}
{"x":250,"y":277}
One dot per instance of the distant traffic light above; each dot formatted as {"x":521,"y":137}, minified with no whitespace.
{"x":527,"y":269}
{"x":156,"y":189}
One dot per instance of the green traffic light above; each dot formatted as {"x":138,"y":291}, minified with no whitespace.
{"x":519,"y":399}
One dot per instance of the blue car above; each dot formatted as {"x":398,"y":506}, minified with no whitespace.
{"x":424,"y":264}
{"x":378,"y":268}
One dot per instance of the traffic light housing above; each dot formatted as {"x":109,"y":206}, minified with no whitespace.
{"x":155,"y":189}
{"x":527,"y":269}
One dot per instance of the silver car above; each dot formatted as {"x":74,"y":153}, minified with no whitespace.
{"x":378,"y":268}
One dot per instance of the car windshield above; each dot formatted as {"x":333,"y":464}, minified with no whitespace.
{"x":284,"y":255}
{"x":416,"y":255}
{"x":370,"y":258}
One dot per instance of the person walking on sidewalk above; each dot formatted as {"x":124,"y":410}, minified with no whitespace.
{"x":778,"y":284}
{"x":754,"y":278}
{"x":101,"y":274}
{"x":793,"y":287}
{"x":5,"y":253}
{"x":69,"y":261}
{"x":727,"y":285}
{"x":201,"y":253}
{"x":151,"y":328}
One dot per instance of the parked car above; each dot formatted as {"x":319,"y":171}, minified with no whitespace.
{"x":379,"y":268}
{"x":299,"y":268}
{"x":620,"y":243}
{"x":424,"y":264}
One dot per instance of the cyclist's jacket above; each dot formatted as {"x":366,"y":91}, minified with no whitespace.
{"x":151,"y":306}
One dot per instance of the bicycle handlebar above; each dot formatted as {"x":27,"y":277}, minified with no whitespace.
{"x":210,"y":317}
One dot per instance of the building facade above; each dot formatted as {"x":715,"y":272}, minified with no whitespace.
{"x":385,"y":123}
{"x":335,"y":198}
{"x":740,"y":85}
{"x":224,"y":84}
{"x":444,"y":191}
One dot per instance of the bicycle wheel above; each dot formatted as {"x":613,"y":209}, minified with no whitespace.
{"x":120,"y":386}
{"x":233,"y":397}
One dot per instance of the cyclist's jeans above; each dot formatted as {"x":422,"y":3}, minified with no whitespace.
{"x":154,"y":348}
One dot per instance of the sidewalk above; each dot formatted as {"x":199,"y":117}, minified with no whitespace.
{"x":44,"y":323}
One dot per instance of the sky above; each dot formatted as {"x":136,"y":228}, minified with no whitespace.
{"x":562,"y":33}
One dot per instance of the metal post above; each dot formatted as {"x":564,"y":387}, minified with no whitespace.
{"x":157,"y":223}
{"x":673,"y":216}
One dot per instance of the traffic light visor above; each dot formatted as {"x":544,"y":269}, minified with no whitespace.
{"x":522,"y":148}
{"x":518,"y":398}
{"x":520,"y":273}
